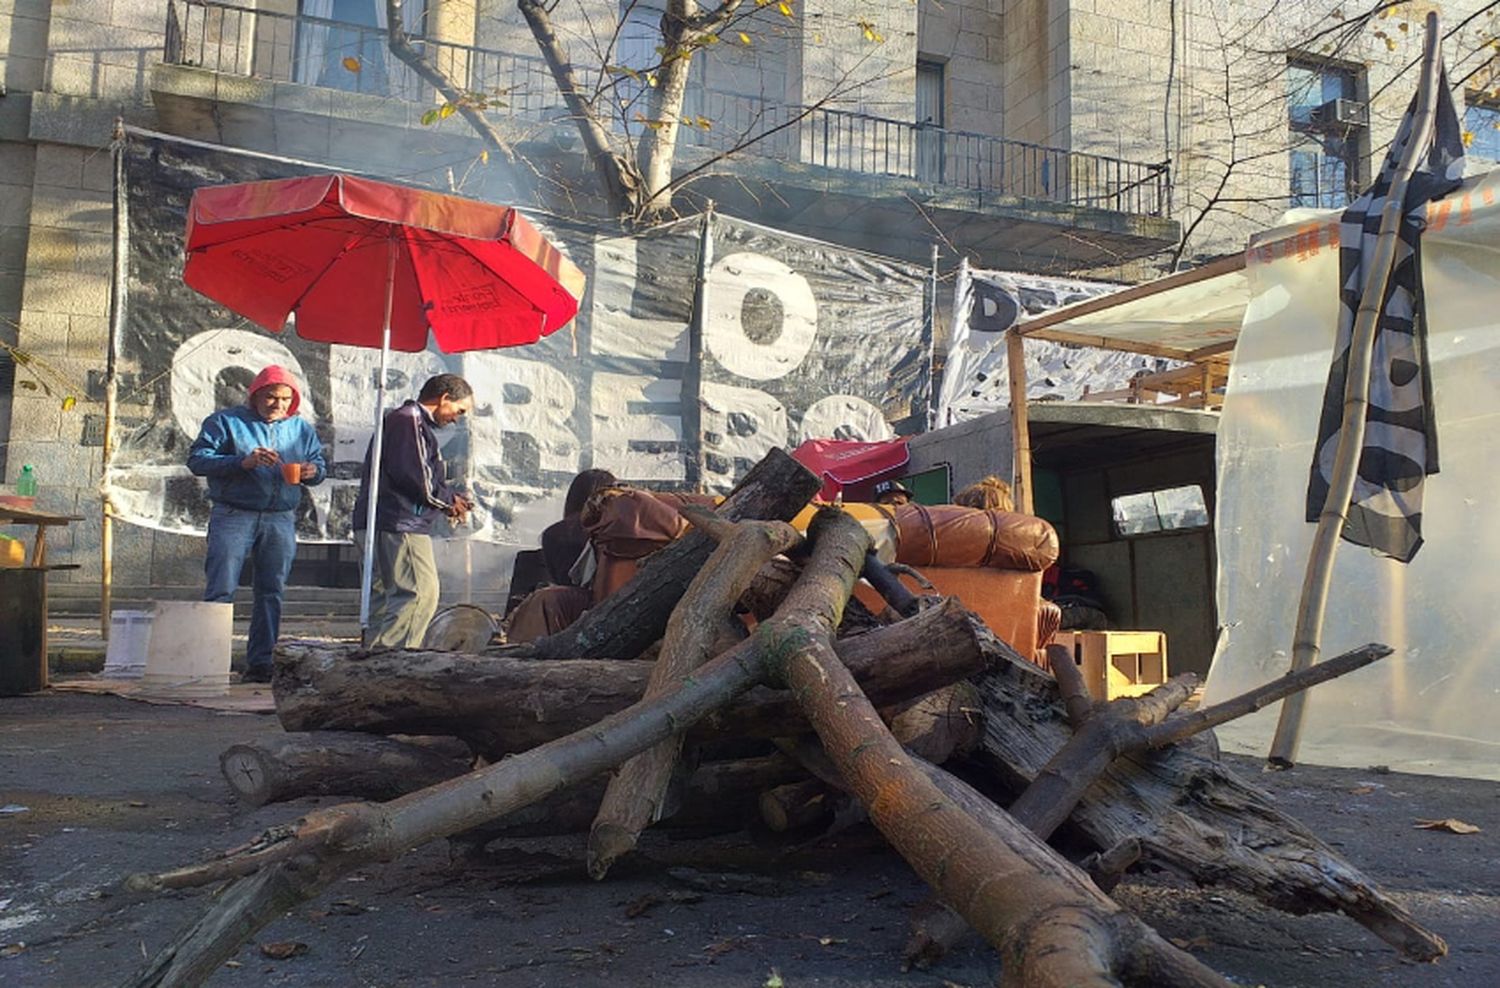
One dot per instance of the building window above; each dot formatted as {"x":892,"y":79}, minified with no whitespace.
{"x":930,"y":120}
{"x":343,"y":44}
{"x":1328,"y":127}
{"x":1482,"y":121}
{"x":1168,"y":510}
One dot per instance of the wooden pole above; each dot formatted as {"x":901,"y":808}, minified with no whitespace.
{"x":1020,"y":426}
{"x":117,"y":290}
{"x":692,"y":383}
{"x":1307,"y":640}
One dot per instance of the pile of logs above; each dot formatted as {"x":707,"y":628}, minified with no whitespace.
{"x":611,"y":726}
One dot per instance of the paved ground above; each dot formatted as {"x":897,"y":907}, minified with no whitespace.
{"x":95,"y":787}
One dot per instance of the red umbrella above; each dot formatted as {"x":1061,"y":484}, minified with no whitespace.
{"x":478,"y":276}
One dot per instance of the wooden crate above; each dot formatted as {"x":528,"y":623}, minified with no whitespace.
{"x":1118,"y":663}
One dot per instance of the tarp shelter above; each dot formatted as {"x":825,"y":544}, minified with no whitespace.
{"x":1428,"y":707}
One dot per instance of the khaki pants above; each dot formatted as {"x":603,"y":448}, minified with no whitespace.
{"x":403,"y":592}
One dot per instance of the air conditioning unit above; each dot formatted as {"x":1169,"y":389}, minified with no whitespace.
{"x":1342,"y":113}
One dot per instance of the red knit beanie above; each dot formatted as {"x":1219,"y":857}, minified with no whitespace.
{"x":276,"y":374}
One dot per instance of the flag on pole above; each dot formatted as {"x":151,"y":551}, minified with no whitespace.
{"x":1400,"y":444}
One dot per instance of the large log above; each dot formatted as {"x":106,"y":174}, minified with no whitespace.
{"x":327,"y":763}
{"x":625,"y":623}
{"x":502,"y":704}
{"x":1192,"y":816}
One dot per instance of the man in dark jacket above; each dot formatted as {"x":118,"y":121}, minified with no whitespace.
{"x":257,"y":457}
{"x":413,"y":492}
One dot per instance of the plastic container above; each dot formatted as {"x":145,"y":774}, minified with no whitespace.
{"x":129,"y":642}
{"x":188,"y":654}
{"x":26,"y":483}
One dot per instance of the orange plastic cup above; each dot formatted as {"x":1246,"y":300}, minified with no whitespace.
{"x":291,"y":473}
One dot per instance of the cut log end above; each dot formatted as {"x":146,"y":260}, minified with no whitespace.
{"x":608,"y":843}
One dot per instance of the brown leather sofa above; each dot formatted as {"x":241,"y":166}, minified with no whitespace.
{"x":991,"y":560}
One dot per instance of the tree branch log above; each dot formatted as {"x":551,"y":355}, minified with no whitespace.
{"x":633,"y":799}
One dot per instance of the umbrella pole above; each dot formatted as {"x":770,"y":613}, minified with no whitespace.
{"x":367,"y":576}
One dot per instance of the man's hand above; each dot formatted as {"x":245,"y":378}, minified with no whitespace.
{"x":260,"y":456}
{"x":459,"y":510}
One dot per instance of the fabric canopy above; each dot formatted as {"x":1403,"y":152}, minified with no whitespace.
{"x":842,"y":463}
{"x":479,"y":275}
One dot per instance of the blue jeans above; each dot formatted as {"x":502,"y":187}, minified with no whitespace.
{"x":269,"y":538}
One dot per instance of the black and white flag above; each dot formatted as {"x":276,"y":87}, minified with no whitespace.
{"x":1400,"y":445}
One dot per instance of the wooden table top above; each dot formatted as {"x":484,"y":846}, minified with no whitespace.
{"x":26,"y":516}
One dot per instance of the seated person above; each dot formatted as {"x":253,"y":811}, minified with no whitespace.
{"x":564,"y":541}
{"x":892,"y":493}
{"x":621,"y":526}
{"x":991,"y":494}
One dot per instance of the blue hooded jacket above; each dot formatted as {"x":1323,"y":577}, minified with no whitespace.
{"x":229,"y":435}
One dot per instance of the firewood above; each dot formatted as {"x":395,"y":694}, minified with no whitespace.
{"x":1193,"y":816}
{"x":503,"y":705}
{"x":796,"y":805}
{"x":288,"y":865}
{"x":1052,"y":925}
{"x":324,"y":763}
{"x":626,"y":622}
{"x":633,"y":798}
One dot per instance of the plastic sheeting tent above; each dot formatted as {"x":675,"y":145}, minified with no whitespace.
{"x":1431,"y":706}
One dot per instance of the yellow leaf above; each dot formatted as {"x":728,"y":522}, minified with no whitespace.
{"x":1451,"y":825}
{"x":1468,"y":138}
{"x":68,"y":403}
{"x":351,"y":63}
{"x":785,"y":8}
{"x":484,"y":157}
{"x":446,"y":110}
{"x":1390,"y":44}
{"x":704,"y":122}
{"x":651,"y":81}
{"x":744,"y":39}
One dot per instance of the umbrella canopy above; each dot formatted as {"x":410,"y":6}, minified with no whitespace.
{"x":369,"y":264}
{"x":478,"y":275}
{"x":845,"y":463}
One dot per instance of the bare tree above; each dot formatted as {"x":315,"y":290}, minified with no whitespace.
{"x":632,"y":117}
{"x":1234,"y":177}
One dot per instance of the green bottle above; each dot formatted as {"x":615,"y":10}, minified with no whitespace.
{"x":26,"y":483}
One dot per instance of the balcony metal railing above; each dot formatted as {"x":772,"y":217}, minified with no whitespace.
{"x":331,"y":54}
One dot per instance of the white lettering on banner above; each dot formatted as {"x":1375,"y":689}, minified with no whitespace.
{"x":352,"y":378}
{"x":613,"y":330}
{"x":200,"y":359}
{"x":843,"y":417}
{"x":731,"y":281}
{"x":519,"y":397}
{"x":616,"y":425}
{"x":738,"y":424}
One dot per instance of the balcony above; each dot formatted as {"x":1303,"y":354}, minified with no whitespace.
{"x":1009,"y":194}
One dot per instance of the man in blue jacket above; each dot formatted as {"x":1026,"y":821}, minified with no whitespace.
{"x":414,"y":490}
{"x":257,"y":457}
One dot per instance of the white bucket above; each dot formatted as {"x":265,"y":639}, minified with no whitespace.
{"x":189,"y":651}
{"x":129,"y":638}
